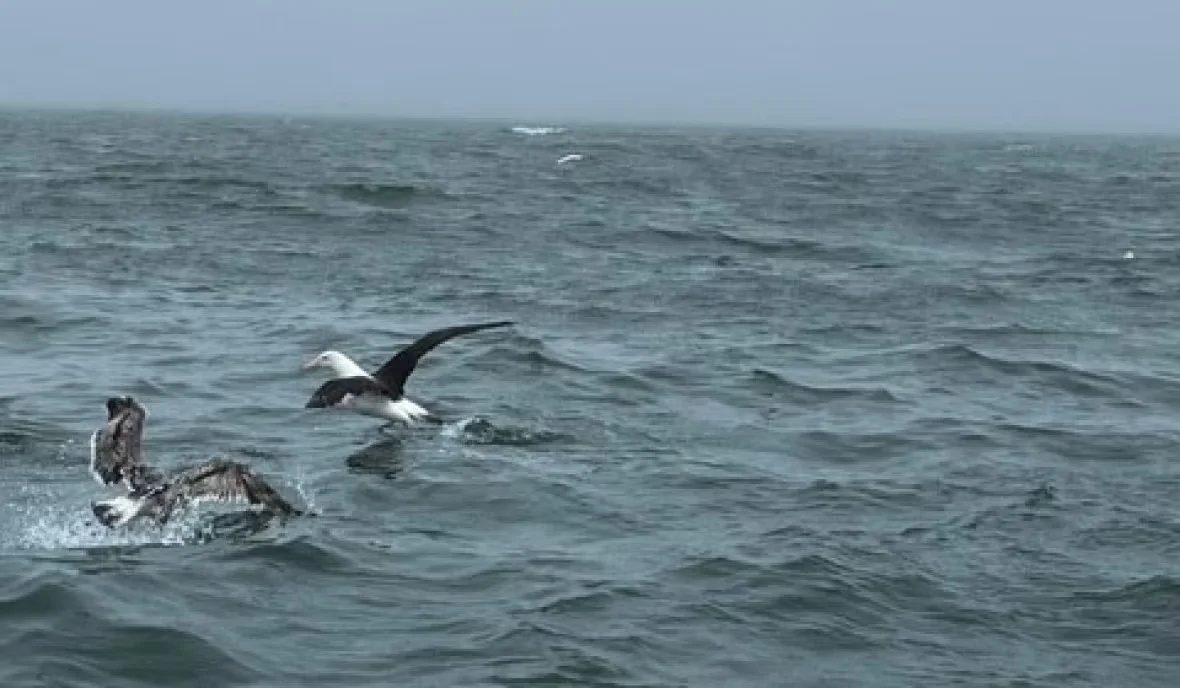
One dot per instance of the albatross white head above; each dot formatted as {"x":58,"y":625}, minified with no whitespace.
{"x":338,"y":363}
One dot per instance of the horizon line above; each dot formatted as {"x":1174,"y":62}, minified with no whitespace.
{"x":569,"y":122}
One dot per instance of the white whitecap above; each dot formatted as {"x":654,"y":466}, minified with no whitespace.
{"x":537,"y":131}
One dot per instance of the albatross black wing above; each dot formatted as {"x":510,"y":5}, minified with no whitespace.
{"x":395,"y":371}
{"x":116,"y":449}
{"x":334,"y":391}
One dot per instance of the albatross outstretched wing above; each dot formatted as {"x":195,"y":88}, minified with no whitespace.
{"x":229,"y":481}
{"x":395,"y":371}
{"x":116,"y":449}
{"x":218,"y":480}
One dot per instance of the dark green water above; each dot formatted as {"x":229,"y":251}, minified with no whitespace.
{"x":782,"y":408}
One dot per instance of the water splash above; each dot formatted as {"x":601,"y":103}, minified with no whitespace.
{"x":47,"y":524}
{"x":42,"y":518}
{"x":479,"y":430}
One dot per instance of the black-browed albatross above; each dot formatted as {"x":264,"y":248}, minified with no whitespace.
{"x":116,"y":458}
{"x":382,"y":394}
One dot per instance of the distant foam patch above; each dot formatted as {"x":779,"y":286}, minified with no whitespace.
{"x":538,"y":131}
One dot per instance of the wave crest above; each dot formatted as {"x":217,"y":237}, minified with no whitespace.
{"x":384,"y":196}
{"x":772,"y":384}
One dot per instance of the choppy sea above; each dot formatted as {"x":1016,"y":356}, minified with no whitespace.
{"x":781,"y":408}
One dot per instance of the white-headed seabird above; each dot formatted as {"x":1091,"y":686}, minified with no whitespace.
{"x":116,"y":458}
{"x":382,"y":394}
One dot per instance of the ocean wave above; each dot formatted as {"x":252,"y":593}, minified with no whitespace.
{"x":1012,"y":512}
{"x":1136,"y":529}
{"x":800,"y":247}
{"x":585,"y":600}
{"x":1150,"y":595}
{"x":45,"y":641}
{"x":201,"y":184}
{"x":532,"y":353}
{"x":1016,"y":327}
{"x":723,"y":568}
{"x":292,"y":208}
{"x":22,"y":436}
{"x":603,"y":658}
{"x":769,"y":383}
{"x":846,"y":447}
{"x":834,"y":601}
{"x":384,"y":458}
{"x":878,"y":495}
{"x":16,"y":442}
{"x":1055,"y":374}
{"x":133,"y":168}
{"x":1103,"y":445}
{"x":44,"y":322}
{"x":783,"y":244}
{"x":114,"y":230}
{"x":163,"y":178}
{"x":296,"y":554}
{"x":386,"y":196}
{"x":822,"y":601}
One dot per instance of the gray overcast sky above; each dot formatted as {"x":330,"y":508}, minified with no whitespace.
{"x":976,"y":64}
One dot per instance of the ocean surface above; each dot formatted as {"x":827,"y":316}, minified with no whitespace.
{"x":781,"y":408}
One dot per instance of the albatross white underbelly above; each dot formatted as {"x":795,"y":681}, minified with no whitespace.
{"x":379,"y":406}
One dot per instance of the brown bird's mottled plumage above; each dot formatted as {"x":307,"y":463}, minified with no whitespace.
{"x":116,"y":457}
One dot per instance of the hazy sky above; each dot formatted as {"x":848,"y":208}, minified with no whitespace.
{"x":1007,"y":64}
